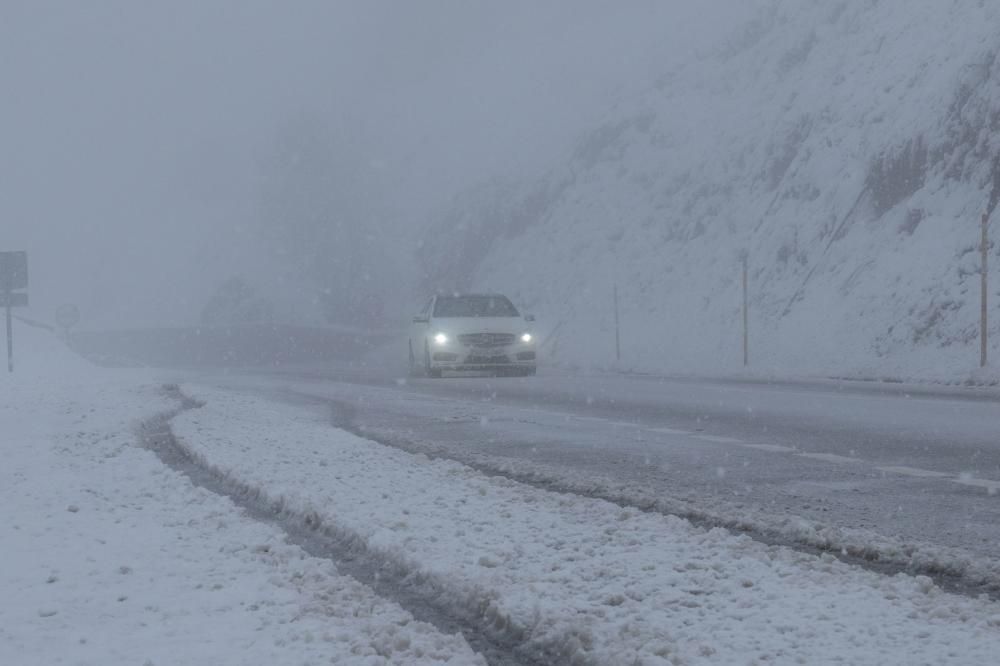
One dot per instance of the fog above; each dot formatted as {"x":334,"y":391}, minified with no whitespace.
{"x":152,"y":150}
{"x":499,"y":331}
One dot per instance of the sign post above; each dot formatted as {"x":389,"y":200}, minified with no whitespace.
{"x":13,"y":277}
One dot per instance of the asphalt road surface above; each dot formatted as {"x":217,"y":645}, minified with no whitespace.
{"x":912,"y":464}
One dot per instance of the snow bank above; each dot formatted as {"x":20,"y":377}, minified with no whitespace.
{"x":111,"y":558}
{"x":40,"y":354}
{"x":584,"y":577}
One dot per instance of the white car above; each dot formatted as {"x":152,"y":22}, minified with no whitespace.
{"x":471,"y":332}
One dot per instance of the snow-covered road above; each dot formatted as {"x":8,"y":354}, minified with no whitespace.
{"x":577,"y":579}
{"x":110,"y":557}
{"x":318,"y":517}
{"x":904,"y":474}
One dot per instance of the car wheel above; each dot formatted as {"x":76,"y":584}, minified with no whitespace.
{"x":428,"y":370}
{"x":414,"y":370}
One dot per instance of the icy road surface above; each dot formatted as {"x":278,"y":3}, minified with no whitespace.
{"x":572,"y":578}
{"x":902,"y":474}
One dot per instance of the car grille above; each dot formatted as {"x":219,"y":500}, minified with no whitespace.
{"x":487,"y":339}
{"x":486,"y":360}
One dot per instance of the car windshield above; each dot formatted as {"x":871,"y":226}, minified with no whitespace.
{"x":474,"y":306}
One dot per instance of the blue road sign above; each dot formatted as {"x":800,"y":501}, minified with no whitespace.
{"x":13,"y":271}
{"x":13,"y":300}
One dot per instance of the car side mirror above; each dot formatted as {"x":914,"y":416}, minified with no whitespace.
{"x":421,"y":320}
{"x":529,"y":317}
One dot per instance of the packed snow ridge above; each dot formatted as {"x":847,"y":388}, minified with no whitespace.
{"x":848,"y":148}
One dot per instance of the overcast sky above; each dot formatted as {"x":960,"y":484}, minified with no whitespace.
{"x":131,"y":133}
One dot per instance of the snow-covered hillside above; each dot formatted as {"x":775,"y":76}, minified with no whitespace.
{"x":850,"y":148}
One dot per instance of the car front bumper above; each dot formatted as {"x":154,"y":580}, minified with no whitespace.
{"x":484,"y":359}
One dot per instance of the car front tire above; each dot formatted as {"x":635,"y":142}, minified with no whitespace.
{"x":430,"y":371}
{"x":414,"y":369}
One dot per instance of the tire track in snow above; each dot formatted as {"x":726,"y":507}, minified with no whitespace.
{"x":494,"y":638}
{"x":951,"y":574}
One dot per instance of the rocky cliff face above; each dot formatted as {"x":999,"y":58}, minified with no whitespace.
{"x":849,"y":149}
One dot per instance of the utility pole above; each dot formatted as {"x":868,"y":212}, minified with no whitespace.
{"x":618,"y":338}
{"x":8,"y":297}
{"x":984,"y":296}
{"x":746,"y":315}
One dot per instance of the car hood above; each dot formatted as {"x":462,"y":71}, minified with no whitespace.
{"x":463,"y":325}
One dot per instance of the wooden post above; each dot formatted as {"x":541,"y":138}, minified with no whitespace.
{"x":10,"y":331}
{"x":984,"y":297}
{"x":746,"y":315}
{"x":618,"y":339}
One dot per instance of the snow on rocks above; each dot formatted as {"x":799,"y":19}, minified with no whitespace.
{"x":579,"y":576}
{"x":111,"y":558}
{"x":846,"y":147}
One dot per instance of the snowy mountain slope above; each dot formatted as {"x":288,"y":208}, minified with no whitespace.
{"x":849,"y":148}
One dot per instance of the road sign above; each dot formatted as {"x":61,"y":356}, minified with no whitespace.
{"x":67,"y":316}
{"x":13,"y":300}
{"x":13,"y":270}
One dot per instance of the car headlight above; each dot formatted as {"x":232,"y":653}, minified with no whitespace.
{"x":526,"y":338}
{"x":441,"y":339}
